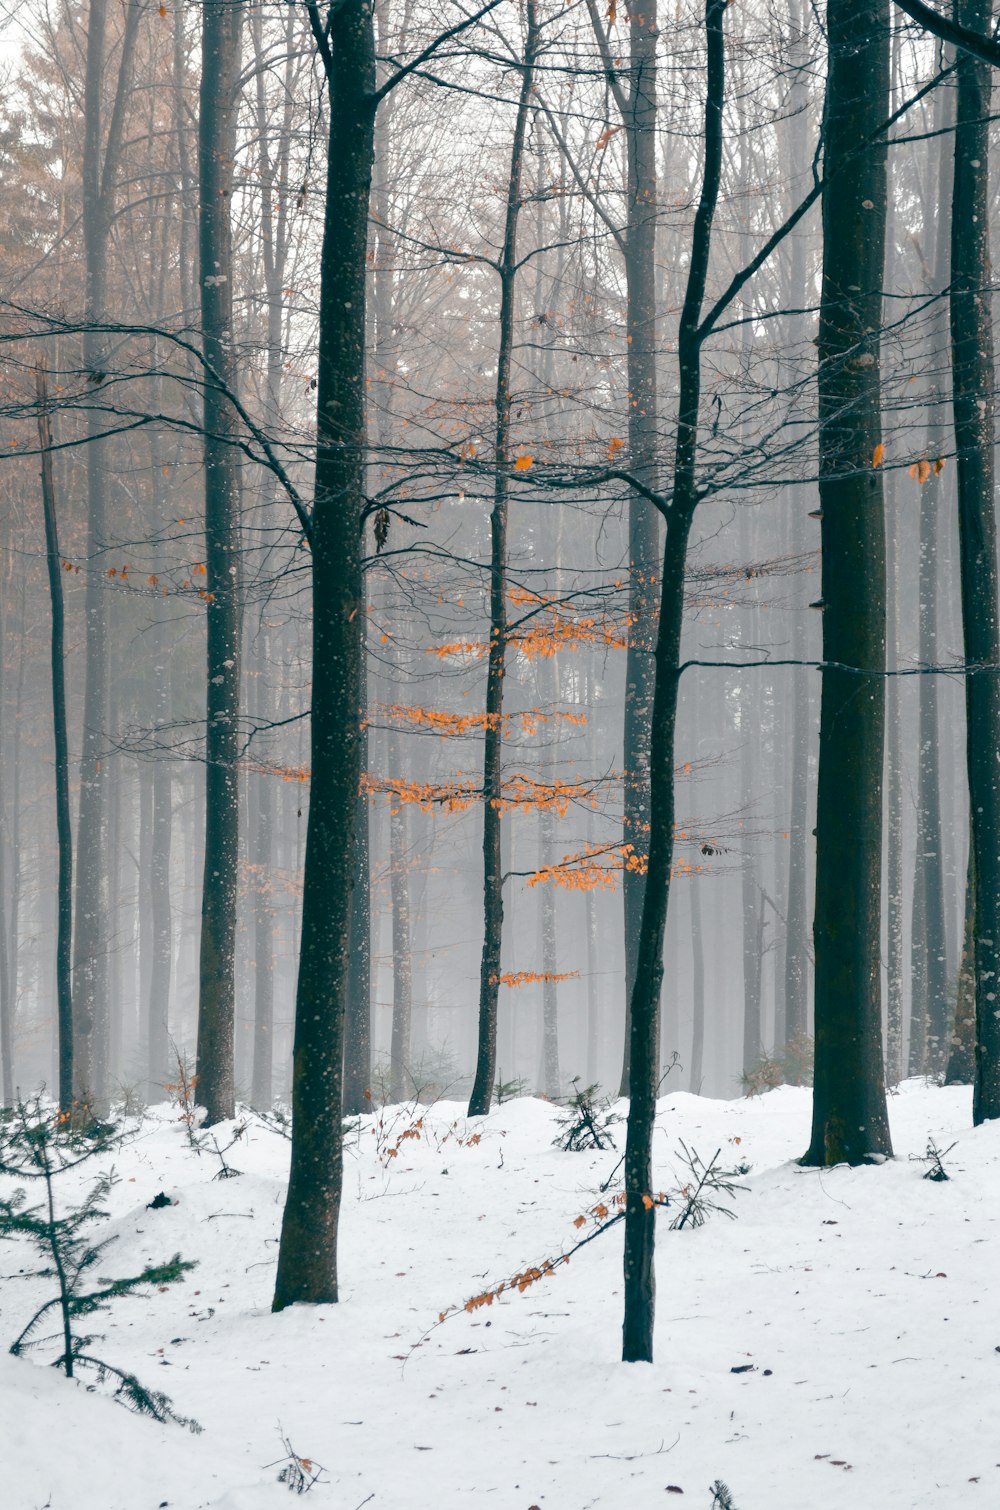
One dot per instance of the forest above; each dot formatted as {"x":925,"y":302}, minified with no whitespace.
{"x":499,"y":688}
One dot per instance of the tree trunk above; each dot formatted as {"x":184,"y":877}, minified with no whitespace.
{"x":894,"y":991}
{"x":640,"y":1212}
{"x":974,"y":405}
{"x":849,"y":1113}
{"x":962,"y":1057}
{"x":307,"y":1256}
{"x":402,"y":1081}
{"x":222,"y":24}
{"x":643,"y":441}
{"x":64,"y":830}
{"x":489,"y":974}
{"x":101,"y":154}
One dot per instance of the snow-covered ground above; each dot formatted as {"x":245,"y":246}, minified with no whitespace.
{"x":865,"y":1302}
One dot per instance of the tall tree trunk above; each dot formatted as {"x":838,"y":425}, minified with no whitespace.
{"x":697,"y":1074}
{"x":489,"y":973}
{"x":796,"y":981}
{"x":101,"y":162}
{"x":961,"y":1068}
{"x":8,"y":943}
{"x":358,"y":1027}
{"x":402,"y":962}
{"x":849,"y":1112}
{"x":222,"y":24}
{"x":929,"y":971}
{"x":640,"y":1212}
{"x":974,"y":408}
{"x":643,"y":440}
{"x":64,"y":830}
{"x":307,"y":1256}
{"x":550,"y":987}
{"x":894,"y":800}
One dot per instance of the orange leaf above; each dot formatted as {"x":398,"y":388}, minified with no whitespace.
{"x":579,"y":1222}
{"x":523,"y":463}
{"x":878,"y":455}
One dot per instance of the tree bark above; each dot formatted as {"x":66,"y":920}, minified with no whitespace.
{"x":101,"y":162}
{"x":307,"y":1256}
{"x":640,"y":1212}
{"x":64,"y":829}
{"x":222,"y":24}
{"x":489,"y":973}
{"x":974,"y":413}
{"x":850,"y":1123}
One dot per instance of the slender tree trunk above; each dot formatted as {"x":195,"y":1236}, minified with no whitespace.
{"x":550,"y":987}
{"x":307,"y":1256}
{"x":64,"y":831}
{"x":489,"y":974}
{"x":894,"y":957}
{"x":222,"y":24}
{"x":640,"y":1212}
{"x":973,"y":381}
{"x":697,"y":989}
{"x":358,"y":1028}
{"x":101,"y":155}
{"x":8,"y":943}
{"x":962,"y":1058}
{"x":643,"y":442}
{"x":402,"y":963}
{"x":849,"y":1112}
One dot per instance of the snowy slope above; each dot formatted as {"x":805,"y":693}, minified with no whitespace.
{"x":863,"y":1299}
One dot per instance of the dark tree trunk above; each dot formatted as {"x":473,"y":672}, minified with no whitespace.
{"x":974,"y":408}
{"x":849,"y":1113}
{"x":358,"y":1027}
{"x":64,"y":831}
{"x":489,"y":973}
{"x":640,"y":1212}
{"x":222,"y":24}
{"x":307,"y":1257}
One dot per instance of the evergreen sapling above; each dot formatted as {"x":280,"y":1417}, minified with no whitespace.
{"x":38,"y":1144}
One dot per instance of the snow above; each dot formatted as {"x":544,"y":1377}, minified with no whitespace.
{"x":863,"y":1300}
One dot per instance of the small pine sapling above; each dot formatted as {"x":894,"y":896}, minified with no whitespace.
{"x":39,"y":1143}
{"x":696,"y":1196}
{"x":585,"y":1124}
{"x":509,"y":1090}
{"x":722,"y":1496}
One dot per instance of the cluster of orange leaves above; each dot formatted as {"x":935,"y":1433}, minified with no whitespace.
{"x":596,"y":866}
{"x":519,"y":793}
{"x":920,"y":470}
{"x":599,"y":1217}
{"x":514,"y":978}
{"x":450,"y":725}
